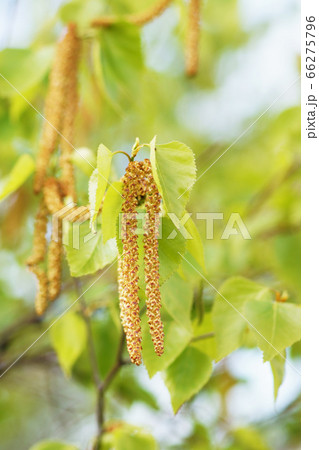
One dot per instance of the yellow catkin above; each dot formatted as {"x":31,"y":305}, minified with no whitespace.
{"x":151,"y":259}
{"x":128,"y":265}
{"x":41,"y":299}
{"x":52,"y":195}
{"x":54,"y":264}
{"x":67,"y":138}
{"x":54,"y":105}
{"x":39,"y":239}
{"x":192,"y":37}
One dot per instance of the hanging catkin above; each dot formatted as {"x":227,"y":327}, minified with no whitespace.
{"x":54,"y":263}
{"x":54,"y":104}
{"x":67,"y":139}
{"x":192,"y":37}
{"x":41,"y":299}
{"x":52,"y":195}
{"x":39,"y":239}
{"x":128,"y":265}
{"x":151,"y":259}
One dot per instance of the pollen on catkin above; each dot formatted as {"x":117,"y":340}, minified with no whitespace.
{"x":39,"y":239}
{"x":192,"y":37}
{"x":151,"y":260}
{"x":138,"y":184}
{"x":54,"y":104}
{"x":67,"y":138}
{"x":52,"y":195}
{"x":128,"y":263}
{"x":41,"y":299}
{"x":54,"y":264}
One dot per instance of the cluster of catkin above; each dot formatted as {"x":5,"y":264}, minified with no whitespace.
{"x":58,"y":129}
{"x":138,"y":183}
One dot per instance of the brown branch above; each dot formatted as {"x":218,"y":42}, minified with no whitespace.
{"x":103,"y":386}
{"x":137,"y":19}
{"x":279,"y":229}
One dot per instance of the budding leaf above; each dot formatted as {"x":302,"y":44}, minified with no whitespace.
{"x":187,"y":375}
{"x":68,"y":336}
{"x":174,"y":171}
{"x":20,"y":172}
{"x":98,"y":181}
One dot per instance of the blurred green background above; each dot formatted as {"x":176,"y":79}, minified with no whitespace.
{"x":249,"y":56}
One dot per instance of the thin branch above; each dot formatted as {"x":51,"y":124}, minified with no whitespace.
{"x":203,"y":336}
{"x":104,"y":385}
{"x":137,"y":19}
{"x":279,"y":229}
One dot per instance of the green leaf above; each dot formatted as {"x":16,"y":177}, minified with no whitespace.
{"x":207,"y":345}
{"x":174,"y":171}
{"x":170,"y":250}
{"x":111,"y":209}
{"x":277,"y":325}
{"x":278,"y":371}
{"x":118,"y":61}
{"x":249,"y":438}
{"x":99,"y":180}
{"x":195,"y":245}
{"x":176,"y":338}
{"x":85,"y":251}
{"x":128,"y":437}
{"x":23,"y":68}
{"x":85,"y":160}
{"x":187,"y":375}
{"x":177,"y":299}
{"x":53,"y":445}
{"x":20,"y":172}
{"x":229,"y":321}
{"x":68,"y":337}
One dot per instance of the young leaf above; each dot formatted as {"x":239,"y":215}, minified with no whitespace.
{"x":187,"y":375}
{"x":86,"y":252}
{"x":277,"y":325}
{"x":174,"y":171}
{"x":68,"y":336}
{"x":278,"y":371}
{"x":176,"y":339}
{"x":99,"y":180}
{"x":111,"y":209}
{"x":229,"y":321}
{"x":177,"y":298}
{"x":20,"y":172}
{"x":118,"y":61}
